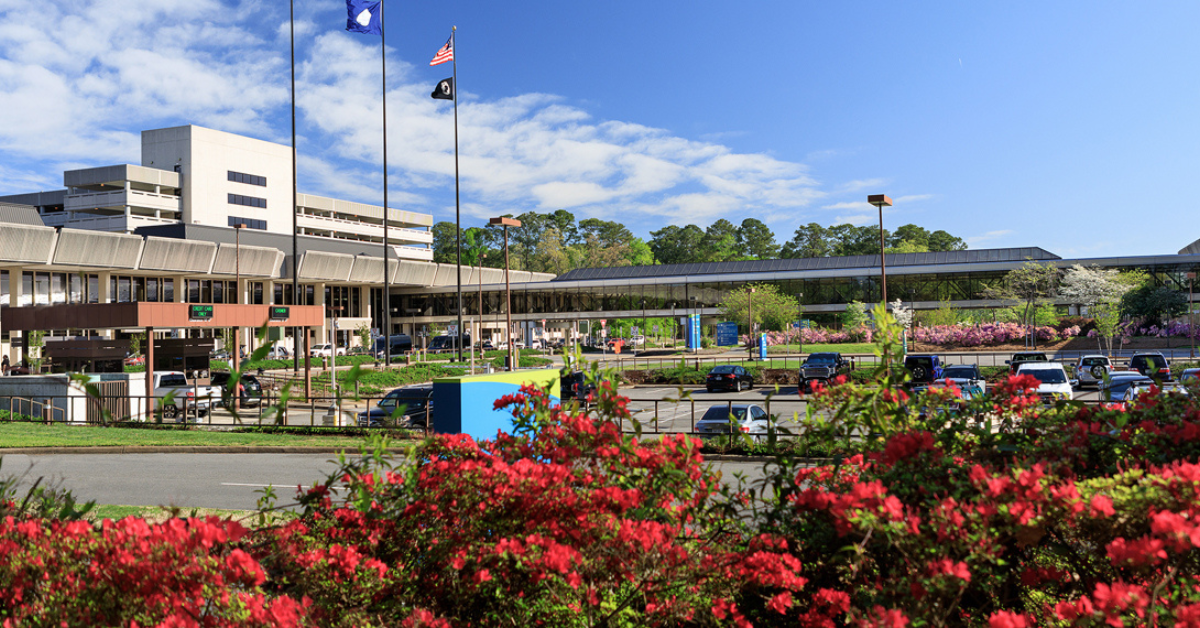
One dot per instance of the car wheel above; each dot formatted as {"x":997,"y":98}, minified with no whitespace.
{"x":918,"y":372}
{"x":708,"y":388}
{"x":737,"y":386}
{"x":751,"y":384}
{"x":1098,"y":372}
{"x":170,"y":412}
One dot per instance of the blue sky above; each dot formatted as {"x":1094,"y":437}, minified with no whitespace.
{"x":1066,"y":125}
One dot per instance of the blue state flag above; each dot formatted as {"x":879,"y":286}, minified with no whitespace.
{"x":364,"y":17}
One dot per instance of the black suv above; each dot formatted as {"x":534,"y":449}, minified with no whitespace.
{"x":252,"y":391}
{"x":1024,"y":356}
{"x":1152,"y":365}
{"x":822,"y":367}
{"x":923,"y":368}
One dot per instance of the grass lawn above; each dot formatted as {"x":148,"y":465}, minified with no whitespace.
{"x":38,"y":435}
{"x":159,"y":514}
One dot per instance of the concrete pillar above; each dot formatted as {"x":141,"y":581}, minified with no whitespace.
{"x":106,"y":295}
{"x":149,"y":372}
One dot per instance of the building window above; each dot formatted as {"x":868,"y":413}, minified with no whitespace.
{"x":248,"y":201}
{"x":4,"y":288}
{"x":250,"y":179}
{"x":251,"y":223}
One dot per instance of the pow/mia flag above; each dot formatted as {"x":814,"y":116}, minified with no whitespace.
{"x":444,"y":89}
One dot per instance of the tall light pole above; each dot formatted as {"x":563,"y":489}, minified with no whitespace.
{"x":237,"y":289}
{"x":506,"y":222}
{"x":800,"y":320}
{"x":1191,"y":320}
{"x":750,"y":333}
{"x":237,"y":261}
{"x":644,"y":326}
{"x":881,"y":201}
{"x":482,"y":256}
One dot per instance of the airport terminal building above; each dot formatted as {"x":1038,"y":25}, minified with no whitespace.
{"x":208,"y":216}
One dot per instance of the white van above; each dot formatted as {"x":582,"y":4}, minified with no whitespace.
{"x":1055,"y":384}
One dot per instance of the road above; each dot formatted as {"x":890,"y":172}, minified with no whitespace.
{"x":223,"y":481}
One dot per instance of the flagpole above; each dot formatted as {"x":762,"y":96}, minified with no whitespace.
{"x":387,"y":280}
{"x":457,"y":218}
{"x":296,"y":331}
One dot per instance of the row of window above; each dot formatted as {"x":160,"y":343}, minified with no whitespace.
{"x":251,"y":223}
{"x":251,"y":179}
{"x":248,"y":201}
{"x":45,"y":288}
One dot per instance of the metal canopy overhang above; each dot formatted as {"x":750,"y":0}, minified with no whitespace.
{"x":159,"y":315}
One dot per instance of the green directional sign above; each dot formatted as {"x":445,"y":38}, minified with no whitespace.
{"x":279,"y":313}
{"x":200,"y":312}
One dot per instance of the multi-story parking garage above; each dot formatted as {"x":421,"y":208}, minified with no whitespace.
{"x":160,"y":232}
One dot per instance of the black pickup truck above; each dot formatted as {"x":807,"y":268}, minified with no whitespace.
{"x":822,"y":367}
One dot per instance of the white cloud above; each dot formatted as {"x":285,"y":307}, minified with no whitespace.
{"x":990,"y":235}
{"x":81,"y":93}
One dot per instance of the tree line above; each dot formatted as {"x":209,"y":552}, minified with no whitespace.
{"x":555,"y":242}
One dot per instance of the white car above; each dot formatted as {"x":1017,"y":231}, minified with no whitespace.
{"x":1092,"y":369}
{"x":720,"y":420}
{"x":1055,"y":385}
{"x":325,"y":351}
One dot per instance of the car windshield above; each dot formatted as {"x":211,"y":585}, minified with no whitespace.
{"x":918,"y":361}
{"x":821,"y":358}
{"x":721,"y":413}
{"x":1029,"y":357}
{"x":722,"y":369}
{"x":1095,"y":361}
{"x":965,"y":372}
{"x":1047,"y":376}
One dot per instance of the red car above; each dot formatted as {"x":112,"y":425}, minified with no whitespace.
{"x":135,"y":360}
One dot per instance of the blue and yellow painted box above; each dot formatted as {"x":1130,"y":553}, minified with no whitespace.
{"x":466,"y":405}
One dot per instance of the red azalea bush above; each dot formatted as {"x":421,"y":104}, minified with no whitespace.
{"x":998,"y":511}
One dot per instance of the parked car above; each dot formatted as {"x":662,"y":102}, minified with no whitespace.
{"x":187,"y":399}
{"x":1133,"y":392}
{"x":446,"y":344}
{"x":414,"y":402}
{"x":1054,"y":383}
{"x":279,"y":353}
{"x":722,"y":420}
{"x":963,"y":375}
{"x":1022,"y":357}
{"x":576,"y":386}
{"x":1112,"y":389}
{"x":400,"y":344}
{"x":1092,"y":369}
{"x":326,"y":351}
{"x":252,"y":391}
{"x":487,"y":345}
{"x":135,"y":360}
{"x":822,"y":367}
{"x":923,"y":368}
{"x":728,"y":377}
{"x":1152,"y":365}
{"x":1190,"y":377}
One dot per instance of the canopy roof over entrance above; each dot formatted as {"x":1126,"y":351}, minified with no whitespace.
{"x":157,"y":315}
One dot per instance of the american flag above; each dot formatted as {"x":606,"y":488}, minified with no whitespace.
{"x":445,"y":54}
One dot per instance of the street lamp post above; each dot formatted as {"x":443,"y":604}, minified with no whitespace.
{"x":482,"y":256}
{"x":237,"y":288}
{"x":506,"y":222}
{"x":644,"y":334}
{"x":800,"y":321}
{"x":881,"y":201}
{"x":750,"y":333}
{"x":1191,"y":320}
